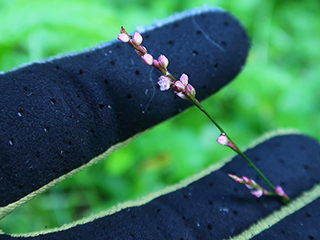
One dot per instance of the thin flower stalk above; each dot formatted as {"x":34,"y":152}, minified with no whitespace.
{"x":186,"y":91}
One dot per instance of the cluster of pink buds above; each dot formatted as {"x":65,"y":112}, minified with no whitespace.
{"x":255,"y":189}
{"x":181,"y":87}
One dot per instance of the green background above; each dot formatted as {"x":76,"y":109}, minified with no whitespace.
{"x":278,"y":88}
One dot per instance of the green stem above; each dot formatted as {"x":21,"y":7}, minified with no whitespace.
{"x":235,"y":148}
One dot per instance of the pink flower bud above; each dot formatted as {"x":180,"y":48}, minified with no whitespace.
{"x":178,"y":86}
{"x":147,"y":59}
{"x":155,"y":63}
{"x":280,"y":191}
{"x":184,"y":79}
{"x":223,"y":139}
{"x":190,"y":89}
{"x":257,"y":192}
{"x":164,"y":83}
{"x":137,"y":38}
{"x":123,"y":37}
{"x":163,"y":61}
{"x":247,"y":180}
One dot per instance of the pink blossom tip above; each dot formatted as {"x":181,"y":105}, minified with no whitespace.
{"x":223,"y":139}
{"x":184,"y":79}
{"x":163,"y":61}
{"x":123,"y":37}
{"x":137,"y":38}
{"x":147,"y":59}
{"x":164,"y":83}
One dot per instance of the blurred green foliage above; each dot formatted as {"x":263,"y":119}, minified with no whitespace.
{"x":278,"y":88}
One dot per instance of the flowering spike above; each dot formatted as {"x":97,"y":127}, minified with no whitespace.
{"x":147,"y":59}
{"x":187,"y":91}
{"x":253,"y":187}
{"x":163,"y":61}
{"x":164,"y":83}
{"x":124,"y":37}
{"x":137,"y":38}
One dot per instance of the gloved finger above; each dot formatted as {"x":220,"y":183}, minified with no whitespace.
{"x":62,"y":115}
{"x":210,"y":205}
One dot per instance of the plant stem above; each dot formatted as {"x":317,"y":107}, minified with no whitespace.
{"x":235,"y":148}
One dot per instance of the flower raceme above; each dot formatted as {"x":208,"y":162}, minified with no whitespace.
{"x":186,"y":91}
{"x":166,"y":80}
{"x":256,"y":190}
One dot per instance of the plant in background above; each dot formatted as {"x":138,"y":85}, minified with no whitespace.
{"x":186,"y":91}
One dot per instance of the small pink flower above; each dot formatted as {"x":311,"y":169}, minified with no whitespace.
{"x":223,"y":139}
{"x":164,"y":83}
{"x":137,"y":38}
{"x":124,"y":37}
{"x":163,"y":61}
{"x":147,"y":59}
{"x":184,"y":79}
